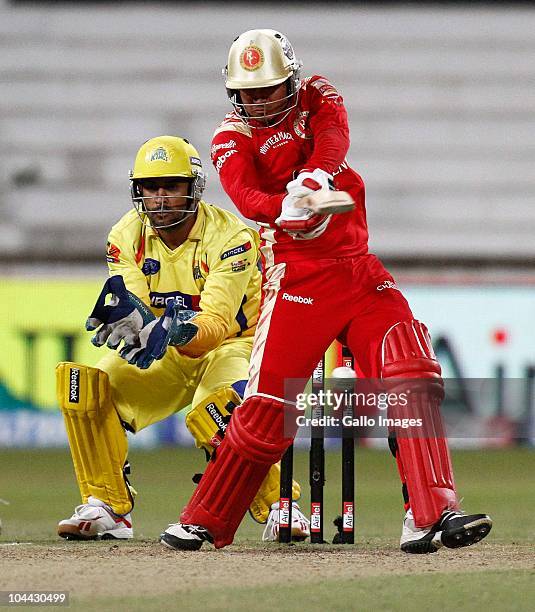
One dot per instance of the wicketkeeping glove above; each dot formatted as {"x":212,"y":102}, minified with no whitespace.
{"x":122,"y":318}
{"x":173,"y":328}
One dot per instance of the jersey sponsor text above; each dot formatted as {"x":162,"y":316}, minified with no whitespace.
{"x":243,"y":248}
{"x":189,"y":302}
{"x":277,"y":140}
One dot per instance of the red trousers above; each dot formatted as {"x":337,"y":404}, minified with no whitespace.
{"x":307,"y":305}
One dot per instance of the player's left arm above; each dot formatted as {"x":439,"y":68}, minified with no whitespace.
{"x":308,"y":200}
{"x":227,"y":283}
{"x":329,"y":125}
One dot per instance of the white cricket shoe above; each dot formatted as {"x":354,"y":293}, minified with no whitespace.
{"x":453,"y":530}
{"x":181,"y":536}
{"x":96,"y":521}
{"x":300,"y":524}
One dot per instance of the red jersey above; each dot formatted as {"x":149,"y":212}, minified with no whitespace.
{"x":255,"y":165}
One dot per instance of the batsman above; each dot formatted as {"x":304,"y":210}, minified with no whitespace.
{"x":281,"y":158}
{"x":178,"y":312}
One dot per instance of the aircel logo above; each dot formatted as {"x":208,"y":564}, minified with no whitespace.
{"x":297,"y":298}
{"x":217,"y":416}
{"x":160,"y":300}
{"x":74,"y":386}
{"x":387,"y":285}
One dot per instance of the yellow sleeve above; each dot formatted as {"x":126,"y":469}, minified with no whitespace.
{"x":121,"y":258}
{"x":225,"y":290}
{"x":210,"y":335}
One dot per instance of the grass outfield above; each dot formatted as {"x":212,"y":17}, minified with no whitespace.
{"x":492,"y":592}
{"x":498,"y":574}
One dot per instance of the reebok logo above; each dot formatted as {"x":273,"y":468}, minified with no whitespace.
{"x":297,"y":298}
{"x":74,"y":386}
{"x":218,"y":418}
{"x":223,"y":158}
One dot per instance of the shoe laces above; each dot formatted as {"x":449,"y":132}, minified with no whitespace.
{"x":193,"y":529}
{"x":81,"y":510}
{"x":451,"y":514}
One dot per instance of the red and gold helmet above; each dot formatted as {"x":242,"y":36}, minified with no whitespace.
{"x":262,"y":58}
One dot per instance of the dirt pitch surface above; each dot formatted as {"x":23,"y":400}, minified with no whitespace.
{"x":85,"y":568}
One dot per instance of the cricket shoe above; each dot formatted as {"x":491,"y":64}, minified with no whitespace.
{"x":96,"y":521}
{"x":180,"y":536}
{"x":453,"y":530}
{"x":300,"y":524}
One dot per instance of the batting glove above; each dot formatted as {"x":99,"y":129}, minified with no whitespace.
{"x":301,"y":221}
{"x":312,"y":180}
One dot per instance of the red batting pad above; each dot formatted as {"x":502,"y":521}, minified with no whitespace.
{"x":423,"y":457}
{"x":253,"y":443}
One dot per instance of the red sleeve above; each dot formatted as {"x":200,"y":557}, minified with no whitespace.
{"x":328,"y":122}
{"x":234,"y":161}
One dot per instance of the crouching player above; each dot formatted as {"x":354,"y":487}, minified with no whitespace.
{"x":184,"y":275}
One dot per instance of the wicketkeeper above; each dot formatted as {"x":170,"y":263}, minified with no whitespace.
{"x":281,"y":159}
{"x":179,"y":312}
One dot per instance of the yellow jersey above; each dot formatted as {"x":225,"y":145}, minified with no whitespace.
{"x":215,"y":272}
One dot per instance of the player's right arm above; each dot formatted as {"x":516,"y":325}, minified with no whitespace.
{"x":234,"y":161}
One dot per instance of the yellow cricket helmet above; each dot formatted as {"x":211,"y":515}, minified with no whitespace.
{"x":261,"y":58}
{"x":167,"y":157}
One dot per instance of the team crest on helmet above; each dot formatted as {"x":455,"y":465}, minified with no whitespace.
{"x":252,"y":58}
{"x":159,"y":154}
